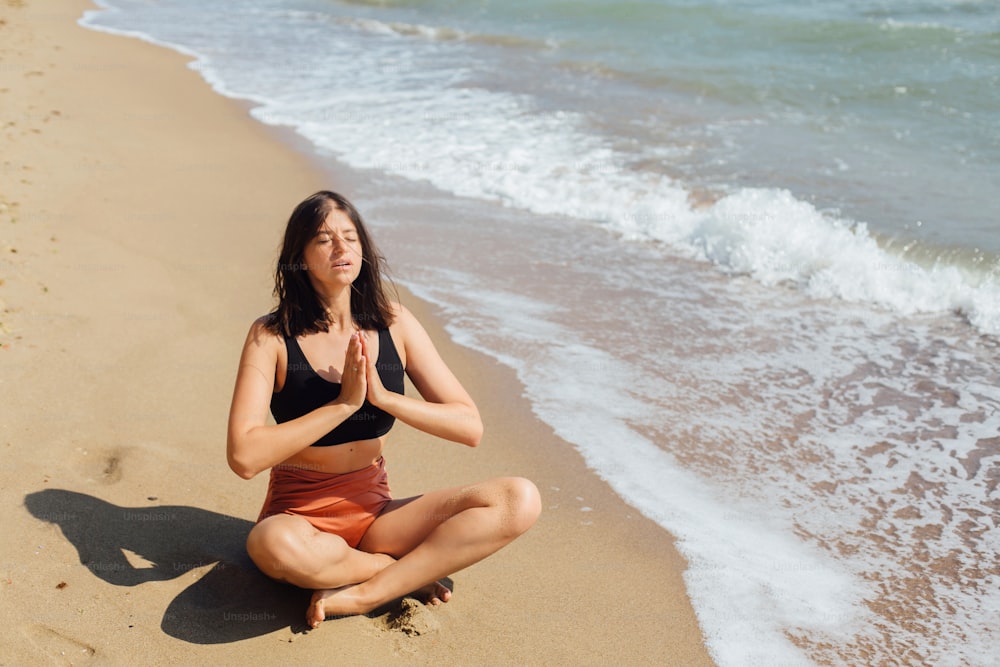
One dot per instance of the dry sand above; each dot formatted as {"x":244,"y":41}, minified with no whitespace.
{"x":139,"y":217}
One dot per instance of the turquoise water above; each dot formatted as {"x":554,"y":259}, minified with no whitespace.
{"x":766,"y":231}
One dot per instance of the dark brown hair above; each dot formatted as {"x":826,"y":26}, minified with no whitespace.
{"x":299,"y":310}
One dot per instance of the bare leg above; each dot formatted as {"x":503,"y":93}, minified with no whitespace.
{"x":433,"y":535}
{"x":289,"y":549}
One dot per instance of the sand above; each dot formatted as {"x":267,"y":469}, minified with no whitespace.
{"x":139,"y":217}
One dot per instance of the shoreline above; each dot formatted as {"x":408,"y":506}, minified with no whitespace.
{"x":143,"y":229}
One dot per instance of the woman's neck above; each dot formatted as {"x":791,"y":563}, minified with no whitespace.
{"x":338,"y":311}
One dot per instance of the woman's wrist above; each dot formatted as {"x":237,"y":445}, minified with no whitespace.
{"x":385,"y":400}
{"x":343,"y":408}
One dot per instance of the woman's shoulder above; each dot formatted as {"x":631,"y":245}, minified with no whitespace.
{"x":264,"y":331}
{"x":404,"y":326}
{"x":402,"y":318}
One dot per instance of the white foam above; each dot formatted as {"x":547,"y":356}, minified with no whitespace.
{"x":774,"y":237}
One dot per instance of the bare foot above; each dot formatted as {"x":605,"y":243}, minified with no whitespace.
{"x":317,"y":610}
{"x":346,"y":601}
{"x":333,"y":602}
{"x":432,"y":594}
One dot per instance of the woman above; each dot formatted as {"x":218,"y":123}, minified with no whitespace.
{"x":329,"y":363}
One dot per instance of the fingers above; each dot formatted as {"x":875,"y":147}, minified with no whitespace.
{"x":365,"y":359}
{"x":372,"y":379}
{"x":362,"y":359}
{"x":354,"y":378}
{"x":363,"y":342}
{"x":355,"y":353}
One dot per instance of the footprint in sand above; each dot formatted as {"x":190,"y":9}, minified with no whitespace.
{"x":112,"y":470}
{"x":104,"y":466}
{"x":53,"y":642}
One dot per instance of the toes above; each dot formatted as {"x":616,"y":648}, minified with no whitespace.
{"x":432,"y":594}
{"x":437,"y":594}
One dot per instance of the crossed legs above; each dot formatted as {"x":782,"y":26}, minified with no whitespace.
{"x":413,"y":543}
{"x":288,"y":548}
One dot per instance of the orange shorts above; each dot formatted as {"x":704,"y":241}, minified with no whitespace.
{"x":344,"y":505}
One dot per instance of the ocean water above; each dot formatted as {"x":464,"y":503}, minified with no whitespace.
{"x":743,"y":255}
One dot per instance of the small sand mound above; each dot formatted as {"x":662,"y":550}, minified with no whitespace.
{"x":412,"y":618}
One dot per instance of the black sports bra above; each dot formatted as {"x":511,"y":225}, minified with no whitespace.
{"x":305,"y":390}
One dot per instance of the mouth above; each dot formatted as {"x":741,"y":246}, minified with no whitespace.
{"x":342,"y":265}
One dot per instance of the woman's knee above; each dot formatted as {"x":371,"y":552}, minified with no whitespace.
{"x":267,"y":546}
{"x":522,"y":502}
{"x":278,"y":548}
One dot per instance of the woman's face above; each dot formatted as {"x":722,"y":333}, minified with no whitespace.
{"x":333,"y":255}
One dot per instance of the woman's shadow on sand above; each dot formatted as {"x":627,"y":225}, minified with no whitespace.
{"x":127,"y":546}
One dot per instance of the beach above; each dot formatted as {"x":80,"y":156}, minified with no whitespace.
{"x":140,"y":214}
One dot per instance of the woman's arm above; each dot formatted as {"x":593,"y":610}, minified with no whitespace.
{"x":447,"y":410}
{"x":253,"y":445}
